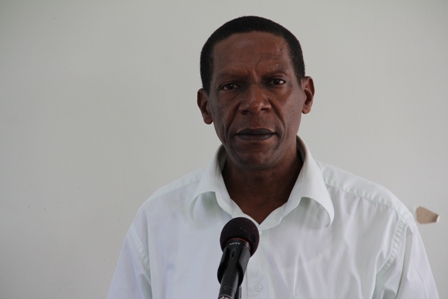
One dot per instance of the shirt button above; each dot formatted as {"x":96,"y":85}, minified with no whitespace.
{"x":258,"y":287}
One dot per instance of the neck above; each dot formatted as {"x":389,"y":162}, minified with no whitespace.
{"x":259,"y":192}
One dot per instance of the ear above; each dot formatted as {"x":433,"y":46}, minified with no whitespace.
{"x":203,"y":106}
{"x":308,"y":88}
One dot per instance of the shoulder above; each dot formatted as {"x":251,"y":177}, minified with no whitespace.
{"x":177,"y":193}
{"x":188,"y":180}
{"x":355,"y":189}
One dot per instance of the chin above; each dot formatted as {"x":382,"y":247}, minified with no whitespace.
{"x":256,"y":163}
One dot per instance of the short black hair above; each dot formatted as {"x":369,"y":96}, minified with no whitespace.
{"x":244,"y":25}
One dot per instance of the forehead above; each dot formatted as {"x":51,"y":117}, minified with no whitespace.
{"x":250,"y":50}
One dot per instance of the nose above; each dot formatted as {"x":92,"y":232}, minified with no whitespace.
{"x":254,"y":100}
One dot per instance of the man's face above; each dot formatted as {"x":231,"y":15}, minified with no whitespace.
{"x":255,"y":100}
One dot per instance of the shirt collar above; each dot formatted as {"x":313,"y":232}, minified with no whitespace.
{"x":211,"y":180}
{"x":313,"y":184}
{"x":310,"y":184}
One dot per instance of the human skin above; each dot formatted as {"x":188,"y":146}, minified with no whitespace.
{"x":255,"y":103}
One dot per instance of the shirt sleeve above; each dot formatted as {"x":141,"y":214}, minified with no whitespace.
{"x":132,"y":277}
{"x":408,"y":274}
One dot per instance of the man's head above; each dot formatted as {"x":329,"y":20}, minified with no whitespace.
{"x":244,"y":25}
{"x":255,"y":99}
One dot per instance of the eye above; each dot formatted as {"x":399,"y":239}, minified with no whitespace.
{"x":277,"y":82}
{"x":229,"y":86}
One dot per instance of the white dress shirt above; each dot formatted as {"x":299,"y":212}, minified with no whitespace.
{"x":338,"y":236}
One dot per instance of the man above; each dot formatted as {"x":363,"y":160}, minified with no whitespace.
{"x":324,"y":233}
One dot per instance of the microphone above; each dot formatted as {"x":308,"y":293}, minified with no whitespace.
{"x":239,"y":241}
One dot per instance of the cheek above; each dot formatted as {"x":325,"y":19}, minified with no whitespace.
{"x":216,"y":109}
{"x":219,"y":122}
{"x":225,"y":123}
{"x":292,"y":116}
{"x":222,"y":115}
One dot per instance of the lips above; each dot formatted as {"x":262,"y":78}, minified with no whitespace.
{"x":255,"y":134}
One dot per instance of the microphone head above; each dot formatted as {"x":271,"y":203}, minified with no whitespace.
{"x":241,"y":228}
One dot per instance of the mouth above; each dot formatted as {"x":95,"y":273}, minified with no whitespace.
{"x":255,"y":134}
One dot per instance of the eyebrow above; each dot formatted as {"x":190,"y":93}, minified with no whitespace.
{"x":277,"y":68}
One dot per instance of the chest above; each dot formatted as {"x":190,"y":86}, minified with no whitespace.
{"x":293,"y":263}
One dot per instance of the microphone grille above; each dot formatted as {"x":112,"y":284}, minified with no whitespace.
{"x":241,"y":228}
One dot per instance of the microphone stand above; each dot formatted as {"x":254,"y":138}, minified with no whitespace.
{"x":237,"y":294}
{"x":231,"y":269}
{"x":239,"y":240}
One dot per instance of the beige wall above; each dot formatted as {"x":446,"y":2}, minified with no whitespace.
{"x":97,"y":110}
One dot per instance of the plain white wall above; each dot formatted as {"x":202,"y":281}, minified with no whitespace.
{"x":98,"y":110}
